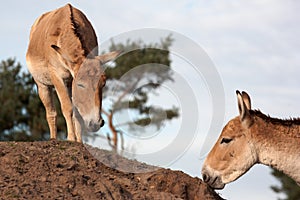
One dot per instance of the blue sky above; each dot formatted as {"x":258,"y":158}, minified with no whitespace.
{"x":254,"y":46}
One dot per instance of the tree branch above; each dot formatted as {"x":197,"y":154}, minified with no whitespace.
{"x":128,"y":90}
{"x":105,"y":112}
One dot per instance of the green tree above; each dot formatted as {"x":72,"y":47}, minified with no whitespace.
{"x":141,"y":70}
{"x":22,"y":115}
{"x":288,"y":186}
{"x":12,"y":97}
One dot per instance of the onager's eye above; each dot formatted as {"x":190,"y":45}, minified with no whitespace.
{"x":226,"y":140}
{"x":80,"y":85}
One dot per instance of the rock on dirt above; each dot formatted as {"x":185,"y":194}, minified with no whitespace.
{"x":67,"y":170}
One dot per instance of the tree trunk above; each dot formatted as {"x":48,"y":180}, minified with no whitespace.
{"x":114,"y":132}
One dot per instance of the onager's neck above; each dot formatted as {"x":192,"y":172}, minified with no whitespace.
{"x":278,"y":145}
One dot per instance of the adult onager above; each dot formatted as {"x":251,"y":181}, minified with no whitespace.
{"x":63,"y":54}
{"x":251,"y":138}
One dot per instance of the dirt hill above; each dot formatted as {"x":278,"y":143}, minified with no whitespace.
{"x":67,"y":170}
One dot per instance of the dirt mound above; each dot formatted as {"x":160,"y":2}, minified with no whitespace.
{"x":67,"y":170}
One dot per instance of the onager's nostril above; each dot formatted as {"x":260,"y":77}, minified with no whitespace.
{"x":205,"y":178}
{"x":102,"y":123}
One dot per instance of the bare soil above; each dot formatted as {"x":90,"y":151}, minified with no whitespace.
{"x":67,"y":170}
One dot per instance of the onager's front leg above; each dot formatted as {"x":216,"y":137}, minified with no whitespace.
{"x":46,"y":96}
{"x":78,"y":125}
{"x":65,"y":102}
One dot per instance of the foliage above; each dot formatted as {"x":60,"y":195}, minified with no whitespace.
{"x":288,"y":186}
{"x":140,"y":71}
{"x":22,"y":115}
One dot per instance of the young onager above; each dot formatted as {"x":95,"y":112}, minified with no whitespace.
{"x":63,"y":54}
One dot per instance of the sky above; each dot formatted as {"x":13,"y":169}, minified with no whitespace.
{"x":252,"y":45}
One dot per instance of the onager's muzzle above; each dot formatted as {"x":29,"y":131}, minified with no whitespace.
{"x":93,"y":126}
{"x":212,"y":179}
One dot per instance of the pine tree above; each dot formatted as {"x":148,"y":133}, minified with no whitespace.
{"x":288,"y":186}
{"x":22,"y":115}
{"x":130,"y":80}
{"x":13,"y":97}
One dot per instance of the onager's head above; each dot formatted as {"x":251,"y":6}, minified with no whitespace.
{"x":233,"y":154}
{"x":87,"y":85}
{"x":87,"y":90}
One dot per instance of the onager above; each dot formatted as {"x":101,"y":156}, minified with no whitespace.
{"x":252,"y":138}
{"x":63,"y":55}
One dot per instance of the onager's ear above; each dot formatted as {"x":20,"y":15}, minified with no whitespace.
{"x":247,"y":100}
{"x":245,"y":116}
{"x":108,"y":56}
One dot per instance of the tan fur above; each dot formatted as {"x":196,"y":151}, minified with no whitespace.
{"x":62,"y":54}
{"x":255,"y":138}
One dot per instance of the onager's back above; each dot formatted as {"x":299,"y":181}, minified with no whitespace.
{"x":252,"y":138}
{"x":67,"y":28}
{"x":63,"y":54}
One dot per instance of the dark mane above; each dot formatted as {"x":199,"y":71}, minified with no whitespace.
{"x":267,"y":118}
{"x":76,"y":30}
